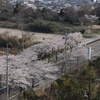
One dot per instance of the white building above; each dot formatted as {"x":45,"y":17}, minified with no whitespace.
{"x":13,"y":2}
{"x":98,"y":1}
{"x":95,"y":1}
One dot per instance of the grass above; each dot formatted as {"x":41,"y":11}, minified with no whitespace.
{"x":95,"y":26}
{"x":1,"y":53}
{"x":7,"y":24}
{"x":74,"y":28}
{"x":55,"y":83}
{"x":96,"y":31}
{"x":89,"y":35}
{"x":39,"y":93}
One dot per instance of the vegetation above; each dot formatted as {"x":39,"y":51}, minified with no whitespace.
{"x":96,"y":65}
{"x":14,"y":42}
{"x":45,"y":26}
{"x":28,"y":95}
{"x":78,"y":84}
{"x":45,"y":20}
{"x":96,"y":11}
{"x":90,"y":35}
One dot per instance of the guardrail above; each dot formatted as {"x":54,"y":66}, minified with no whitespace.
{"x":95,"y":39}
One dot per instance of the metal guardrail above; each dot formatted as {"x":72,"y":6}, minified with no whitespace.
{"x":95,"y":39}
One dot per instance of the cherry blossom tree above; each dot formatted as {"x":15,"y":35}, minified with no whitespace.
{"x":80,"y":53}
{"x":25,"y":66}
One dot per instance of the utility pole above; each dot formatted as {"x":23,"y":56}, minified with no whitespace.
{"x":7,"y":74}
{"x":89,"y":58}
{"x":89,"y":91}
{"x":22,"y":40}
{"x":89,"y":53}
{"x":65,"y":58}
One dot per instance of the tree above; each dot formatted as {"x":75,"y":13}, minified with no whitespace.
{"x":81,"y":13}
{"x":18,"y":15}
{"x":89,"y":75}
{"x":29,"y":14}
{"x":5,"y":10}
{"x":70,"y":15}
{"x":79,"y":53}
{"x":96,"y":65}
{"x":28,"y":95}
{"x":26,"y":65}
{"x":49,"y":15}
{"x":69,"y":89}
{"x":45,"y":26}
{"x":96,"y":12}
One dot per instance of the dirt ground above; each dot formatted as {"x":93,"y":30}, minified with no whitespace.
{"x":36,"y":36}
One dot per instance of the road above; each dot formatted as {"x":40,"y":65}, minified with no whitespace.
{"x":11,"y":94}
{"x":95,"y":48}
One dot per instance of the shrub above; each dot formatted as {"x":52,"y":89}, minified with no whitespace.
{"x":5,"y":39}
{"x":29,"y":95}
{"x":45,"y":26}
{"x":15,"y":42}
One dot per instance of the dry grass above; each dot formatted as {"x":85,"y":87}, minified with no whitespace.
{"x":1,"y":52}
{"x":95,"y":26}
{"x":14,"y":42}
{"x":40,"y":37}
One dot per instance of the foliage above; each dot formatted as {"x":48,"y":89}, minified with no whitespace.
{"x":14,"y":42}
{"x":45,"y":26}
{"x":96,"y":11}
{"x":88,"y":72}
{"x":24,"y":17}
{"x":74,"y":86}
{"x":89,"y":75}
{"x":89,"y":35}
{"x":5,"y":38}
{"x":29,"y":95}
{"x":69,"y":89}
{"x":26,"y":65}
{"x":96,"y":65}
{"x":70,"y":15}
{"x":6,"y":15}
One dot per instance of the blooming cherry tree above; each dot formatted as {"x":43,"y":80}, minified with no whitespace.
{"x":25,"y":66}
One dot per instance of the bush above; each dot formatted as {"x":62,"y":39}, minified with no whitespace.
{"x":5,"y":39}
{"x":45,"y":26}
{"x":29,"y":95}
{"x":15,"y":42}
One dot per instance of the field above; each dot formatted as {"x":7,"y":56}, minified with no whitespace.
{"x":35,"y":36}
{"x":96,"y":27}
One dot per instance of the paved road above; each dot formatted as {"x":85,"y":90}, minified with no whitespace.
{"x":95,"y":47}
{"x":12,"y":93}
